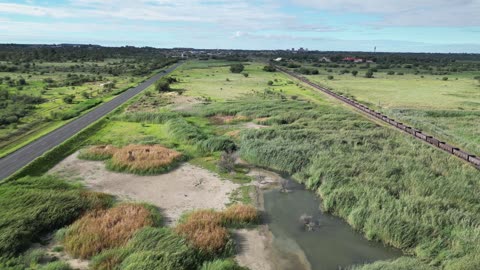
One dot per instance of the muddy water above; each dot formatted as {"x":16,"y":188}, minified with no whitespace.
{"x":332,"y":245}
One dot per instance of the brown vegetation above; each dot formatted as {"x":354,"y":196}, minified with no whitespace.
{"x":205,"y":229}
{"x":240,"y":214}
{"x":227,"y":119}
{"x":137,"y":158}
{"x":202,"y":229}
{"x":104,"y":229}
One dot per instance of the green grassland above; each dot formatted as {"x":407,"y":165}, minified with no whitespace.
{"x":386,"y":185}
{"x":448,"y":109}
{"x":89,"y":84}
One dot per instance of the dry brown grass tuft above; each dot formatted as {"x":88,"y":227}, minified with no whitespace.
{"x":203,"y":230}
{"x":143,"y":158}
{"x":240,"y":214}
{"x":227,"y":119}
{"x":99,"y":152}
{"x":233,"y":133}
{"x":104,"y":229}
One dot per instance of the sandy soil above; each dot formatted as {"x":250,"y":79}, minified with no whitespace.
{"x":186,"y":188}
{"x":254,"y":248}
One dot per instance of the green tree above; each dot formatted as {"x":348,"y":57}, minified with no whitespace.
{"x":330,"y":77}
{"x":270,"y":83}
{"x":269,"y":68}
{"x":236,"y":68}
{"x":369,"y":74}
{"x":68,"y":99}
{"x":162,"y":86}
{"x":245,"y":74}
{"x":354,"y":73}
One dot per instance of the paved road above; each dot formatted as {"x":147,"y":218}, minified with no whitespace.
{"x":23,"y":156}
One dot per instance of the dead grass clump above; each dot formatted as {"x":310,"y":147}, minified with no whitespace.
{"x":203,"y":230}
{"x":98,"y":152}
{"x":227,"y":119}
{"x":233,"y":133}
{"x":104,"y":229}
{"x":144,"y":159}
{"x":240,"y":214}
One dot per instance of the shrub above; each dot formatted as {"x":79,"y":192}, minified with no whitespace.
{"x":105,"y":229}
{"x":245,"y":74}
{"x":270,"y":83}
{"x":162,"y":85}
{"x":68,"y":99}
{"x":445,"y":79}
{"x":236,"y":68}
{"x":369,"y":74}
{"x":391,"y":72}
{"x":34,"y":205}
{"x":269,"y":68}
{"x":330,"y":77}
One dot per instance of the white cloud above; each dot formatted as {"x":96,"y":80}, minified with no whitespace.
{"x":407,"y":12}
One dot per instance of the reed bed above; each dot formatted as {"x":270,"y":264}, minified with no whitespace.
{"x":388,"y":186}
{"x":239,"y":215}
{"x":104,"y":229}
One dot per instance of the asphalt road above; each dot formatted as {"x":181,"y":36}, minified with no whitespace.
{"x":23,"y":156}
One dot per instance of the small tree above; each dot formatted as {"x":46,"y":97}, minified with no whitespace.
{"x":68,"y":99}
{"x":478,"y":79}
{"x":245,"y":74}
{"x":369,"y":74}
{"x":270,"y":83}
{"x":22,"y":81}
{"x":162,"y":86}
{"x":269,"y":68}
{"x":445,"y":78}
{"x":330,"y":77}
{"x":354,"y":73}
{"x":236,"y":68}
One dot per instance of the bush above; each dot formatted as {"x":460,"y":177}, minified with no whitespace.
{"x":68,"y":99}
{"x":104,"y":229}
{"x":162,"y":85}
{"x":445,"y":79}
{"x":269,"y":68}
{"x":270,"y":83}
{"x":369,"y":74}
{"x":391,"y":72}
{"x":330,"y":77}
{"x":236,"y":68}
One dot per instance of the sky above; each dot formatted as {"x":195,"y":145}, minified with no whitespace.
{"x":329,"y":25}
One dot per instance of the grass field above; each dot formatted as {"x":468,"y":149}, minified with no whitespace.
{"x":87,"y":84}
{"x":448,"y":109}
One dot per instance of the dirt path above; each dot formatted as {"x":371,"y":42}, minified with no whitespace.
{"x":184,"y":189}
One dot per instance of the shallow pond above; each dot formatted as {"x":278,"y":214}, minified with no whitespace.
{"x":331,"y":245}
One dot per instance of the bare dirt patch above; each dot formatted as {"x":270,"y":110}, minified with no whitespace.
{"x":184,"y":189}
{"x":254,"y":248}
{"x":252,"y":125}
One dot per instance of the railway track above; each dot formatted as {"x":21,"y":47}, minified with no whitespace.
{"x":456,"y":151}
